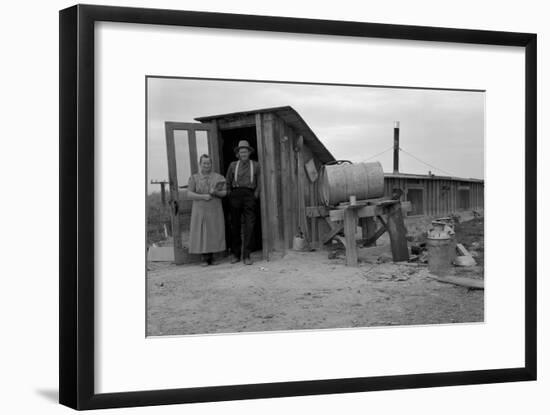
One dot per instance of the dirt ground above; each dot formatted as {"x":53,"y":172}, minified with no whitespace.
{"x":307,"y":290}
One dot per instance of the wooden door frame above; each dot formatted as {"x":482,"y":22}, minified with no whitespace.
{"x":213,"y":149}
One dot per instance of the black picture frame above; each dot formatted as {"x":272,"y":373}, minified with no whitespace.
{"x":77,"y":175}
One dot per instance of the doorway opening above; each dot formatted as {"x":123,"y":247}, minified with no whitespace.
{"x":229,"y":140}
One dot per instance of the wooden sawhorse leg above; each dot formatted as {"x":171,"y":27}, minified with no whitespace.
{"x":398,"y":233}
{"x":350,"y":228}
{"x":368,"y":226}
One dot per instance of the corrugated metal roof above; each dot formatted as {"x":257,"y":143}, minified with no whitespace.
{"x":431,"y":177}
{"x":291,"y":117}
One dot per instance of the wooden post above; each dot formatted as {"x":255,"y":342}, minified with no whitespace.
{"x":350,"y":227}
{"x":179,"y":254}
{"x":293,"y":184}
{"x":194,"y":158}
{"x":286,"y":177}
{"x":214,"y":147}
{"x":270,"y":171}
{"x":313,"y":220}
{"x":163,"y":193}
{"x":368,"y":226}
{"x":301,"y":194}
{"x":263,"y":199}
{"x":398,"y":233}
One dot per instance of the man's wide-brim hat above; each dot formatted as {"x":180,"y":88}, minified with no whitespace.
{"x":244,"y":144}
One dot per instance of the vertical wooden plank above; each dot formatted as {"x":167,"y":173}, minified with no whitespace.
{"x":266,"y":247}
{"x":447,"y":197}
{"x":481,"y":197}
{"x":427,"y":206}
{"x":450,"y":197}
{"x":214,"y":146}
{"x":438,"y":197}
{"x":301,"y":192}
{"x":163,"y":193}
{"x":313,"y":221}
{"x":306,"y":187}
{"x":286,"y":179}
{"x":278,"y":133}
{"x":319,"y":222}
{"x":431,"y":197}
{"x":271,"y":180}
{"x":350,"y":226}
{"x":193,"y":157}
{"x":454,"y":196}
{"x":398,"y":232}
{"x":179,"y":254}
{"x":368,"y":227}
{"x":425,"y":194}
{"x":293,"y":190}
{"x":434,"y":196}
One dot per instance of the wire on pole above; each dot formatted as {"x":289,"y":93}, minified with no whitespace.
{"x":427,"y":164}
{"x":379,"y":154}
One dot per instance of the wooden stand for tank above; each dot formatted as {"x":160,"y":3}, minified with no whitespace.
{"x":364,"y":212}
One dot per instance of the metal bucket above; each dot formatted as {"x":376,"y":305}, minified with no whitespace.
{"x":441,"y":246}
{"x":298,"y":243}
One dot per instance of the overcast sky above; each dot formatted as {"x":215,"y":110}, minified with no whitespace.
{"x":442,"y":128}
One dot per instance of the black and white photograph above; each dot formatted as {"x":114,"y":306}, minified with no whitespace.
{"x":275,"y":208}
{"x":280,"y":206}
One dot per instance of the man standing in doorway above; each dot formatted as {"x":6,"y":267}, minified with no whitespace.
{"x":243,"y":178}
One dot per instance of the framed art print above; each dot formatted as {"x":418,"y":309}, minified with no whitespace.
{"x":258,"y":206}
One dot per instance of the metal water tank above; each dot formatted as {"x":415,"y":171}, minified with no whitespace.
{"x":341,"y":179}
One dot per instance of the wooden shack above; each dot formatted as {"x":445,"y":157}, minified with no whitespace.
{"x":290,"y":155}
{"x":433,"y":195}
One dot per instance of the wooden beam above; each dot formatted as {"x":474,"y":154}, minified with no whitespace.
{"x":332,"y":233}
{"x":398,"y":233}
{"x":462,"y":281}
{"x":263,"y":199}
{"x":277,"y":133}
{"x":301,"y":194}
{"x":193,"y":157}
{"x":163,"y":193}
{"x":350,"y":227}
{"x":286,"y":179}
{"x":214,"y":147}
{"x":247,"y":121}
{"x":313,"y":220}
{"x":367,"y":211}
{"x":179,"y":254}
{"x":368,"y":225}
{"x":293,"y":184}
{"x":317,"y":211}
{"x":269,"y":168}
{"x":371,"y":240}
{"x":195,"y":126}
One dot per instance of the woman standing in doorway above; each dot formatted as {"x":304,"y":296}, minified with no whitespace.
{"x":207,"y":233}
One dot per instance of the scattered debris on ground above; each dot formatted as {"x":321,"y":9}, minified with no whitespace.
{"x":308,"y":290}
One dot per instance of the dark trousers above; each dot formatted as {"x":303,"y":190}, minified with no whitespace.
{"x":242,"y":204}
